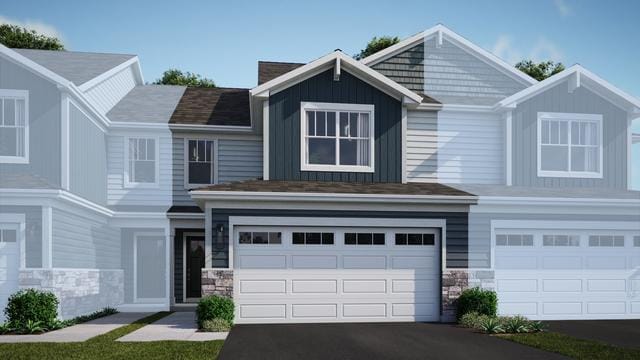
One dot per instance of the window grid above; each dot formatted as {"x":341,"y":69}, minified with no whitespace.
{"x":312,"y":238}
{"x":142,"y":160}
{"x":13,"y":127}
{"x":364,"y":238}
{"x":606,"y":241}
{"x":415,"y":239}
{"x":561,"y":240}
{"x":200,"y":154}
{"x":260,"y":237}
{"x":8,"y":235}
{"x":514,"y":240}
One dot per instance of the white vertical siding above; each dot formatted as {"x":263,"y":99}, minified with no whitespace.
{"x":119,"y":195}
{"x":109,"y":92}
{"x":455,"y":147}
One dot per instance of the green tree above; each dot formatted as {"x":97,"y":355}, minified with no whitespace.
{"x":15,"y":36}
{"x":376,"y":44}
{"x":177,"y":77}
{"x":541,"y":70}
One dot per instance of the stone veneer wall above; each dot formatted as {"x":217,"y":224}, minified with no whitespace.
{"x":456,"y":281}
{"x":217,"y":282}
{"x":80,"y":291}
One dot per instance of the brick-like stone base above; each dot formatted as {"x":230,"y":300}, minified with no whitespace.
{"x":79,"y":291}
{"x":456,"y":281}
{"x":217,"y":282}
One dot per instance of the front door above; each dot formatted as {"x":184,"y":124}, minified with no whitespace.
{"x":195,"y":263}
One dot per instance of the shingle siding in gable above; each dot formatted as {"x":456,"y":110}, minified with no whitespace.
{"x":284,"y":128}
{"x":405,"y":68}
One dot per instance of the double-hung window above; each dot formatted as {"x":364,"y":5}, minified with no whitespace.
{"x":569,"y":145}
{"x":337,"y":137}
{"x":200,"y":162}
{"x":142,"y":161}
{"x":14,"y":126}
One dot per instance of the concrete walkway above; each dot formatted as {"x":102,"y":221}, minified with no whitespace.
{"x":80,"y":332}
{"x":180,"y":326}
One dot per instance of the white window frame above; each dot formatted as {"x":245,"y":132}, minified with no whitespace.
{"x":127,"y":178}
{"x":569,"y":117}
{"x":18,"y":95}
{"x":317,"y":106}
{"x":188,"y":185}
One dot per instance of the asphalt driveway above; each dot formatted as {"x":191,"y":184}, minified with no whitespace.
{"x":369,"y":342}
{"x":623,"y":333}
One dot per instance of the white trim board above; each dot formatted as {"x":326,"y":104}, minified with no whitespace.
{"x":24,"y":96}
{"x":20,"y":221}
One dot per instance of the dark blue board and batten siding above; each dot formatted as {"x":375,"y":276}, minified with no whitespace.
{"x":284,"y":128}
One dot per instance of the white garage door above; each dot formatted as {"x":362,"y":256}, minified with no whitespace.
{"x":568,"y":274}
{"x":9,"y":259}
{"x":304,"y":274}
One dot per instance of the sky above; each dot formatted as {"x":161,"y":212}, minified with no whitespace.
{"x":223,"y":40}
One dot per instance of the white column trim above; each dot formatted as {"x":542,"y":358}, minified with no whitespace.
{"x":208,"y":243}
{"x":404,"y":145}
{"x":64,"y":142}
{"x":265,"y":139}
{"x":508,"y":128}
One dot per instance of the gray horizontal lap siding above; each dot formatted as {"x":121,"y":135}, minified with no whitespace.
{"x":456,"y":222}
{"x":284,"y":128}
{"x":582,"y":100}
{"x":33,"y":233}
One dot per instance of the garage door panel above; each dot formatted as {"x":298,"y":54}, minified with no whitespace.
{"x":412,"y":262}
{"x":560,"y":308}
{"x":613,"y":308}
{"x":262,"y":311}
{"x":364,"y":286}
{"x":314,"y":262}
{"x":262,"y":262}
{"x":263,"y":286}
{"x":561,"y":263}
{"x":607,"y":285}
{"x":635,"y":307}
{"x":562,"y":285}
{"x":516,"y":262}
{"x":315,"y":311}
{"x":365,"y":262}
{"x":414,"y":309}
{"x":517,"y":285}
{"x":518,"y":308}
{"x":607,"y":262}
{"x":314,"y":286}
{"x":364,"y":310}
{"x":412,"y":286}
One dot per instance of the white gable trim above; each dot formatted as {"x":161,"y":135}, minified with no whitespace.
{"x":442,"y":32}
{"x":328,"y":61}
{"x":577,"y":77}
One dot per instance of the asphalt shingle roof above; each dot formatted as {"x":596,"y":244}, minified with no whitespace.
{"x":148,"y":103}
{"x":269,"y":70}
{"x":213,"y":106}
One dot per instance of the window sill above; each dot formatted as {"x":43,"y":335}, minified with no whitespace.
{"x":336,"y":168}
{"x":566,"y":174}
{"x":13,"y":160}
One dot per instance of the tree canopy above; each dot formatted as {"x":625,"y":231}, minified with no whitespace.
{"x":15,"y":36}
{"x":178,"y":77}
{"x":541,"y":70}
{"x":376,"y":44}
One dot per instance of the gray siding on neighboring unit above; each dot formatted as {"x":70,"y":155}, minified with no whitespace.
{"x":582,"y":100}
{"x":87,"y":157}
{"x":284,"y":128}
{"x":238,"y":159}
{"x":405,"y":68}
{"x":33,"y":233}
{"x":43,"y":169}
{"x":456,"y":230}
{"x":84,"y":242}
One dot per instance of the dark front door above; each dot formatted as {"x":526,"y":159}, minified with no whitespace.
{"x":195,"y":262}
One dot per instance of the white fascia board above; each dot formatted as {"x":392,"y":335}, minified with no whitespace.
{"x":223,"y":128}
{"x":329,"y":197}
{"x":111,"y":72}
{"x":45,"y":196}
{"x":442,"y":31}
{"x":591,"y":202}
{"x":375,"y":78}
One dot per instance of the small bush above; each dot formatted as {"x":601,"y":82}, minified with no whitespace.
{"x":491,"y":325}
{"x":515,"y":324}
{"x":32,"y":305}
{"x":216,"y":325}
{"x":536,"y":326}
{"x":472,"y":320}
{"x":483,"y":302}
{"x":215,"y":307}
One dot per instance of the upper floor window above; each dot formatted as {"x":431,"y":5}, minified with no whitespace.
{"x":570,"y":145}
{"x":200,"y":169}
{"x":14,"y":126}
{"x":142,"y":161}
{"x":337,"y":137}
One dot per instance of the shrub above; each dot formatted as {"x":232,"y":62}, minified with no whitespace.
{"x":515,"y":324}
{"x":537,"y":326}
{"x":472,"y":320}
{"x":491,"y":325}
{"x":32,"y":327}
{"x":484,"y":302}
{"x":216,"y":325}
{"x":212,"y":307}
{"x":31,"y":305}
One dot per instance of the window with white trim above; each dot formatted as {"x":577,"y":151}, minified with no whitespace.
{"x":14,"y":126}
{"x":606,"y":241}
{"x":636,"y":241}
{"x":364,"y":239}
{"x":514,"y":240}
{"x":8,"y":235}
{"x":200,"y":162}
{"x":312,"y":238}
{"x":569,"y":145}
{"x":561,"y":240}
{"x":142,"y":157}
{"x":337,"y":137}
{"x":415,"y":239}
{"x":260,"y":237}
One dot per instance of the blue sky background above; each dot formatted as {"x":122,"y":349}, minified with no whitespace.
{"x":224,"y":40}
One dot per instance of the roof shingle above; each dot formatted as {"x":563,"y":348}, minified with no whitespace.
{"x":213,"y":106}
{"x":147,"y":103}
{"x":269,"y":70}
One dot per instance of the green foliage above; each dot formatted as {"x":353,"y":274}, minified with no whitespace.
{"x":507,"y":324}
{"x":484,"y":302}
{"x":216,"y":325}
{"x":32,"y":327}
{"x":376,"y":44}
{"x":472,"y":320}
{"x":541,"y":70}
{"x":15,"y":36}
{"x":178,"y":77}
{"x":537,"y":326}
{"x":515,"y":324}
{"x":6,"y":328}
{"x":215,"y":307}
{"x":31,"y":305}
{"x":491,"y":325}
{"x":94,"y":315}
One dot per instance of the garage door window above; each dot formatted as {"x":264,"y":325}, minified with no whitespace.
{"x":561,"y":240}
{"x":364,"y":239}
{"x":514,"y":240}
{"x":415,"y":239}
{"x":606,"y":241}
{"x":262,"y":237}
{"x":8,"y":236}
{"x":312,"y":238}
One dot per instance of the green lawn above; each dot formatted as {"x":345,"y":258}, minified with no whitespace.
{"x":105,"y":347}
{"x":573,"y":347}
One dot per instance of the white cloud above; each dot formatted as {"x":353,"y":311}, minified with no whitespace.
{"x":543,"y":49}
{"x":562,"y":7}
{"x":36,"y":25}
